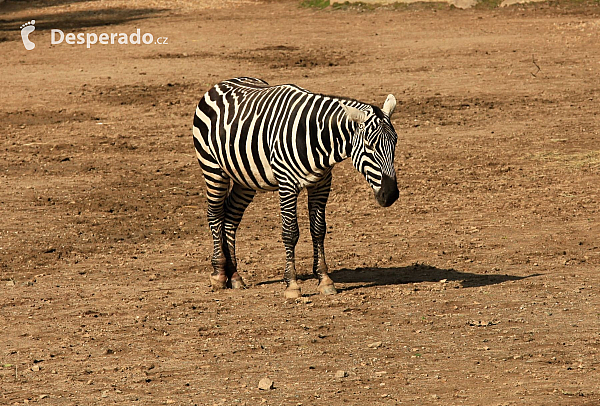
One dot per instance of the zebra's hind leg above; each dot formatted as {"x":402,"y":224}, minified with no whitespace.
{"x":288,"y":199}
{"x":238,"y":199}
{"x":317,"y":199}
{"x":217,"y":187}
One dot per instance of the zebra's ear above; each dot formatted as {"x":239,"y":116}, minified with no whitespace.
{"x":389,"y":105}
{"x":354,"y":114}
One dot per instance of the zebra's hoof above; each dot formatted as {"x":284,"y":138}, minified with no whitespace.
{"x":327,"y":290}
{"x":238,"y":284}
{"x":292,"y":293}
{"x":217,"y":282}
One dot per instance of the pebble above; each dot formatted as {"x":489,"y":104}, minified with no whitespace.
{"x":376,"y":344}
{"x":265,"y":384}
{"x":341,"y":374}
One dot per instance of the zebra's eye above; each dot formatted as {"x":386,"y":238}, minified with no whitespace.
{"x":369,"y":145}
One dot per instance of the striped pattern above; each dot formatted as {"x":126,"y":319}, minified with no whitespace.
{"x":250,"y":136}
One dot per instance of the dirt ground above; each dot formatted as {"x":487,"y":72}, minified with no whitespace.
{"x":478,"y":287}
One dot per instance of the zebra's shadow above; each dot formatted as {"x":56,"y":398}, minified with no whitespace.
{"x":417,"y":273}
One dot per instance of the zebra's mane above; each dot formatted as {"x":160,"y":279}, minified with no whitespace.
{"x":378,"y":112}
{"x":353,"y":102}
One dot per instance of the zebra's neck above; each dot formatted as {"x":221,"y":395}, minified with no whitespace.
{"x":339,"y":130}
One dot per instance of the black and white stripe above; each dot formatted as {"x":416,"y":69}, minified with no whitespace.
{"x":250,"y":136}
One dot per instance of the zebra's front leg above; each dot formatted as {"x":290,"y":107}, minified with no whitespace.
{"x":288,"y":198}
{"x":237,"y":201}
{"x":317,"y":200}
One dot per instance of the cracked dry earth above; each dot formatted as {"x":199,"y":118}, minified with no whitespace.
{"x":478,"y":287}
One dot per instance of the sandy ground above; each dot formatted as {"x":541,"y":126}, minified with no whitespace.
{"x":478,"y":287}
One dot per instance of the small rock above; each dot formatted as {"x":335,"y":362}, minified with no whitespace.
{"x":10,"y":283}
{"x":35,"y":368}
{"x":43,"y":396}
{"x":376,"y":344}
{"x":482,"y":323}
{"x":265,"y":384}
{"x":341,"y":374}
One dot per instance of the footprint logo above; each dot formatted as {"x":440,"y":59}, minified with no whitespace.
{"x":27,"y":29}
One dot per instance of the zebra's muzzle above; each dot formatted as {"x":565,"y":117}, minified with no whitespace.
{"x":388,"y":193}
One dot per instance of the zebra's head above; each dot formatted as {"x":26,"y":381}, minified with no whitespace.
{"x":373,"y":146}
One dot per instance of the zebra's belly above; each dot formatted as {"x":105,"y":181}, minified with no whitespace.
{"x":249,"y":173}
{"x":268,"y":182}
{"x":264,"y":177}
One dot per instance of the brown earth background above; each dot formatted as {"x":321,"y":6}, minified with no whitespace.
{"x":478,"y":287}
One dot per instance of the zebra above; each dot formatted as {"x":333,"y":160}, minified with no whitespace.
{"x":251,"y":136}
